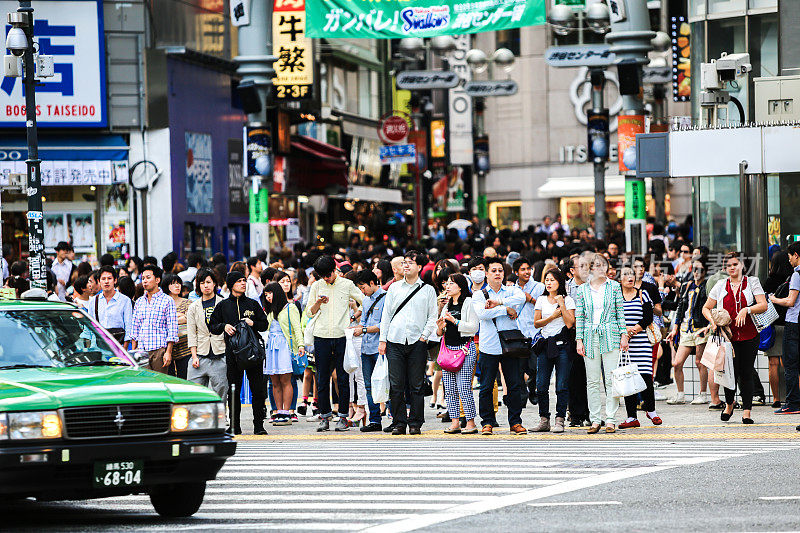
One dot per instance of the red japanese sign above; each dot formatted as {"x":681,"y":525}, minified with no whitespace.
{"x":393,"y":129}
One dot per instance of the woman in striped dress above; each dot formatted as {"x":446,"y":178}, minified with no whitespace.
{"x":638,"y":315}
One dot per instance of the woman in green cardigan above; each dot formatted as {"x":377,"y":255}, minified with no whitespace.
{"x":600,"y":323}
{"x":283,"y":340}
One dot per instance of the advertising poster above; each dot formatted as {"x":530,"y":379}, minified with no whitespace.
{"x":199,"y":182}
{"x":437,"y":139}
{"x":237,"y":184}
{"x":76,"y":228}
{"x":681,"y":34}
{"x":424,"y":18}
{"x":115,"y":221}
{"x":455,"y":190}
{"x":627,"y":128}
{"x":294,"y":69}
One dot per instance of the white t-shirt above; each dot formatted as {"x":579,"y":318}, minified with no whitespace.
{"x":598,"y":302}
{"x":717,"y":293}
{"x":547,"y":309}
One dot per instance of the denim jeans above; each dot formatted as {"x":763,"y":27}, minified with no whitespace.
{"x":368,"y":362}
{"x":329,"y":356}
{"x":791,"y":362}
{"x":511,"y":370}
{"x":544,"y":370}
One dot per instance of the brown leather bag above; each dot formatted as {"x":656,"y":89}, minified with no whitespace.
{"x":156,"y":362}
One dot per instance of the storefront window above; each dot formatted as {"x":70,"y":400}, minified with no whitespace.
{"x":783,"y":208}
{"x":506,"y":215}
{"x":720,"y":213}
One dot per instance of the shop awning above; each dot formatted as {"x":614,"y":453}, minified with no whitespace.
{"x":583,"y":186}
{"x":67,"y":147}
{"x":316,"y":167}
{"x":374,"y":194}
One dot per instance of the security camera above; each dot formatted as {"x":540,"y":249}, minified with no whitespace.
{"x":732,"y":66}
{"x":16,"y":41}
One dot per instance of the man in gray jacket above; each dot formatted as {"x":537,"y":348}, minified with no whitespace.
{"x":208,"y":366}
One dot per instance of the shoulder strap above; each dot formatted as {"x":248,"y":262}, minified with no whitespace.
{"x":289,"y":318}
{"x":404,"y":302}
{"x":97,"y":306}
{"x":494,"y":320}
{"x":372,"y":307}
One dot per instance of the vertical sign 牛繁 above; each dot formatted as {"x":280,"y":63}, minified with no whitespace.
{"x":294,"y":69}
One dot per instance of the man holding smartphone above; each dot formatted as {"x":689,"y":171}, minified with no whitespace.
{"x":329,"y":301}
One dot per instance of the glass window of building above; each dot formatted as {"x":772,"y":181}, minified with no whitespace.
{"x":697,"y":8}
{"x":508,"y":39}
{"x":364,"y":98}
{"x":763,"y":45}
{"x":783,"y":208}
{"x":720,"y":213}
{"x":726,"y":6}
{"x":729,"y":35}
{"x":762,"y":4}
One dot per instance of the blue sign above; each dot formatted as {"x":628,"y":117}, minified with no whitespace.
{"x":72,"y":32}
{"x":398,"y":153}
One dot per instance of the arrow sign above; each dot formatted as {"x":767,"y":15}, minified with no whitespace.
{"x":491,"y":88}
{"x":427,"y":79}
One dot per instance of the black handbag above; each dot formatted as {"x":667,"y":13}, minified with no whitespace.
{"x":512,"y":341}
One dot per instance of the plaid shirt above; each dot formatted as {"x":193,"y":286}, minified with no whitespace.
{"x":155,"y":322}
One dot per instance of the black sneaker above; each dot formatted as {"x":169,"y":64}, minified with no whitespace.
{"x":389,"y":428}
{"x":370,"y":428}
{"x":258,"y":429}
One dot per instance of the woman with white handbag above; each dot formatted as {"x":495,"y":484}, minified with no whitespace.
{"x":600,"y":329}
{"x":638,"y":316}
{"x":742,"y":297}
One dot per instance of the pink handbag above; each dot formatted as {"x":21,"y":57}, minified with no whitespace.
{"x":451,"y":360}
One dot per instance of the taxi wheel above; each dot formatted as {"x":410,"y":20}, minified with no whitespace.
{"x":179,"y":500}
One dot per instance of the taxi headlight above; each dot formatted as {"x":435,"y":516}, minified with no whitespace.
{"x":197,"y":416}
{"x":32,"y":425}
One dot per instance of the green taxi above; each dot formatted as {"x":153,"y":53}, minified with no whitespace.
{"x":79,"y":419}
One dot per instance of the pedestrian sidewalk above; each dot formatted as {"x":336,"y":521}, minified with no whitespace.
{"x":681,"y":422}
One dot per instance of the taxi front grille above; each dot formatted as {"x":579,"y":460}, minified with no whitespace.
{"x":117,"y":420}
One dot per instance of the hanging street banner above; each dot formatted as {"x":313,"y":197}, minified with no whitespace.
{"x":294,"y":69}
{"x":395,"y":19}
{"x":491,"y":88}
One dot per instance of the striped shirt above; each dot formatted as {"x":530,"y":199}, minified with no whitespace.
{"x":155,"y":321}
{"x":639,"y":346}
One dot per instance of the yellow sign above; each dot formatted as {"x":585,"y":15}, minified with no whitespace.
{"x":294,"y":67}
{"x":437,"y":139}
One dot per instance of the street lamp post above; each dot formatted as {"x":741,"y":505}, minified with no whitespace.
{"x":20,"y":42}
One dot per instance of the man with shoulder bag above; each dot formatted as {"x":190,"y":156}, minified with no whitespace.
{"x":491,"y":305}
{"x":241,"y":318}
{"x":407,"y":321}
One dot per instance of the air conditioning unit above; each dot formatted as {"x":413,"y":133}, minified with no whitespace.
{"x":777,"y":99}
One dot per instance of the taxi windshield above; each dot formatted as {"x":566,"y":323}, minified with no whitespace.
{"x":51,"y":338}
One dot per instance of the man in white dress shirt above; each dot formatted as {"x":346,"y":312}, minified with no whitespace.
{"x":407,"y":321}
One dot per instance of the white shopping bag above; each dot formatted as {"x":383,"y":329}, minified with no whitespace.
{"x":380,"y":381}
{"x":352,"y":355}
{"x":626,"y":378}
{"x":726,"y":378}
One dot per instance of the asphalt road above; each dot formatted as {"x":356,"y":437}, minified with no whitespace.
{"x":423,"y":484}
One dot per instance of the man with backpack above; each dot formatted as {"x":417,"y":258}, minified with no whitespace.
{"x":232,"y":316}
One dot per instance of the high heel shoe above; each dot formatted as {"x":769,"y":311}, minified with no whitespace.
{"x":361,"y":413}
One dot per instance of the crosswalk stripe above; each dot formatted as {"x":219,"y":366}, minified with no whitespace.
{"x":355,"y":491}
{"x":212,"y":497}
{"x":394,"y":482}
{"x":327,"y":506}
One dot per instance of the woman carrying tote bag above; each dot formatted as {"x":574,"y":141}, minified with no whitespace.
{"x":638,"y":315}
{"x":741,"y":296}
{"x":600,"y":324}
{"x":457,"y":326}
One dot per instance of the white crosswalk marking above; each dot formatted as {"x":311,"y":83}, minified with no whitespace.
{"x":388,"y":485}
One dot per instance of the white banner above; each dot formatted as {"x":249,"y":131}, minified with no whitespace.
{"x":459,"y":120}
{"x":71,"y":172}
{"x":70,"y":31}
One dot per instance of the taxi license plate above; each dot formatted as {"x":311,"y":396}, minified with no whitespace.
{"x":110,"y":474}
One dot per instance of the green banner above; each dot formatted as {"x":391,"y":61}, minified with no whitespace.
{"x":259,"y":206}
{"x":635,"y":199}
{"x":396,"y":19}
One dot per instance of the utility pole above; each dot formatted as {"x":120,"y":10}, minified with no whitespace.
{"x":630,"y":39}
{"x":20,"y":42}
{"x":600,"y":155}
{"x":255,"y":61}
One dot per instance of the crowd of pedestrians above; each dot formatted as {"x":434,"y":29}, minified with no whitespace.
{"x":447,"y":317}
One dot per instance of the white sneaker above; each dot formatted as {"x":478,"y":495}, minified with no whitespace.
{"x":678,"y":399}
{"x":314,"y":418}
{"x":701,"y":399}
{"x":658,"y":396}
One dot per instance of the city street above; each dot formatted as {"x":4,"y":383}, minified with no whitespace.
{"x":647,"y":479}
